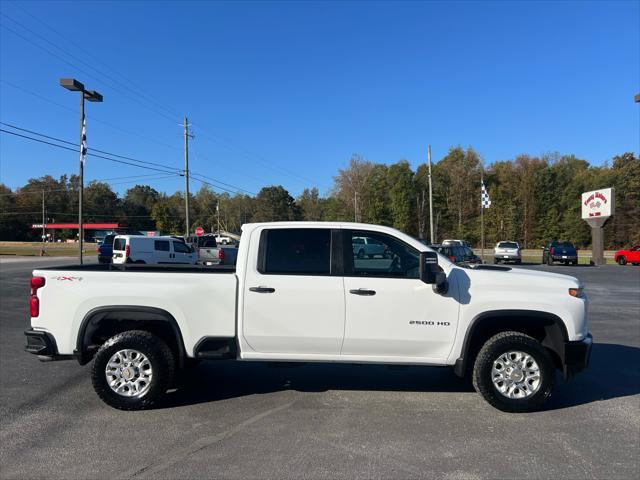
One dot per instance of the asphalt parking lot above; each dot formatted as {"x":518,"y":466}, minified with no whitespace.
{"x":239,"y":420}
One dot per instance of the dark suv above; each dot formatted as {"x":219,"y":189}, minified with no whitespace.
{"x":105,"y":249}
{"x":563,"y":252}
{"x":456,"y":253}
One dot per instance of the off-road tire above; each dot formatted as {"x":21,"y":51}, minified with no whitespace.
{"x":496,"y":346}
{"x":549,"y":260}
{"x":162,"y":362}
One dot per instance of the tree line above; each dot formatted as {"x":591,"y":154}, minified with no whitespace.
{"x":534,"y":199}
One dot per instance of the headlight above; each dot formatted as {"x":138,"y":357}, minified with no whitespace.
{"x":577,"y":292}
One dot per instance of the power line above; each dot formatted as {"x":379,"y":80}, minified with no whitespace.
{"x":88,"y":154}
{"x":223,"y":183}
{"x":88,"y":149}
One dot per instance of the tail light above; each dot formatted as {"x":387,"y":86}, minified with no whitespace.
{"x":452,"y":258}
{"x":551,"y":250}
{"x":34,"y":302}
{"x":221,"y":254}
{"x":100,"y":250}
{"x":127,"y":251}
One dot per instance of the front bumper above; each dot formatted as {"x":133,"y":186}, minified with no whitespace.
{"x":43,"y":345}
{"x":577,"y":355}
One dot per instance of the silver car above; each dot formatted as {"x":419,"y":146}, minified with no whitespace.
{"x":507,"y":251}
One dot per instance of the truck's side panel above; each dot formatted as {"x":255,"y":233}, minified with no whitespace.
{"x":202,"y":304}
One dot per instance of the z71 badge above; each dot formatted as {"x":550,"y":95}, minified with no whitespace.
{"x":67,"y":279}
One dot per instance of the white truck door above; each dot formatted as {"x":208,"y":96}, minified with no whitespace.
{"x":161,"y":251}
{"x":389,"y":310}
{"x":292,"y":303}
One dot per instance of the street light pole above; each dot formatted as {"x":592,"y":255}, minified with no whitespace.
{"x":75,"y":86}
{"x":81,"y":180}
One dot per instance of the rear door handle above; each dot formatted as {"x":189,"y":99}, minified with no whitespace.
{"x":262,"y":289}
{"x":363,"y":291}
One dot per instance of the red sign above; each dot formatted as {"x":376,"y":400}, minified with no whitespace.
{"x":199,"y":231}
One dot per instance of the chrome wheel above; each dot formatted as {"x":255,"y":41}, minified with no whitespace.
{"x":516,"y":374}
{"x":129,"y":373}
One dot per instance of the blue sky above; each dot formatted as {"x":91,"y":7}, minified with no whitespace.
{"x":285,"y":92}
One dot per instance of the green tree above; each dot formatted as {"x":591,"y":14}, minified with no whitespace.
{"x":275,"y":204}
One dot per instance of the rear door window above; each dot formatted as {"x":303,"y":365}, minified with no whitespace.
{"x":120,"y":244}
{"x":296,"y":251}
{"x":161,"y":245}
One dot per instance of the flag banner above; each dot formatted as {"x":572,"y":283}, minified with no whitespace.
{"x":83,"y":146}
{"x":484,"y":197}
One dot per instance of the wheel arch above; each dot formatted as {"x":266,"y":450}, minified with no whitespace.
{"x":545,"y":327}
{"x":114,"y":319}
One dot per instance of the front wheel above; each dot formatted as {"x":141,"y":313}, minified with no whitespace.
{"x":132,"y":370}
{"x":622,"y":260}
{"x":514,"y":372}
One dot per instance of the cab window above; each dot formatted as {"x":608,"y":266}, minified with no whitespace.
{"x":180,"y":247}
{"x":384,"y":256}
{"x":296,"y":251}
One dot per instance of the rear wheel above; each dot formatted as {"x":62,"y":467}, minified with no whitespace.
{"x":496,"y":261}
{"x":549,"y":260}
{"x":514,"y":372}
{"x":132,"y":370}
{"x":622,"y":260}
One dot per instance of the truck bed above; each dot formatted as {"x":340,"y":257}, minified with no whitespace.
{"x":201,"y":300}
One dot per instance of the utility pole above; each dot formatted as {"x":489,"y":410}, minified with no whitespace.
{"x":186,"y":174}
{"x":430,"y":196}
{"x":218,"y":212}
{"x":43,"y":253}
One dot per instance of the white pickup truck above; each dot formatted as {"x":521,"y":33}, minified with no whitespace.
{"x":298,"y":293}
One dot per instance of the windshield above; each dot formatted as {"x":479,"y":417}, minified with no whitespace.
{"x":562,"y":244}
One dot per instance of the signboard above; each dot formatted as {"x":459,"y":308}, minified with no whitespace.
{"x":598,"y":204}
{"x":199,"y":231}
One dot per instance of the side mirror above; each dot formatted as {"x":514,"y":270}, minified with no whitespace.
{"x":432,"y":274}
{"x":441,"y":285}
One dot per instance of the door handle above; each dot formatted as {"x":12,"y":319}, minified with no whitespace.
{"x":363,"y":291}
{"x":262,"y":289}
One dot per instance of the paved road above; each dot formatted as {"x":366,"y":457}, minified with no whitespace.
{"x":238,"y":420}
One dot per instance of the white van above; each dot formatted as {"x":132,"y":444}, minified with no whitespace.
{"x":141,"y":249}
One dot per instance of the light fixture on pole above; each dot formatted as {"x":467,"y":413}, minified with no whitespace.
{"x":91,"y":95}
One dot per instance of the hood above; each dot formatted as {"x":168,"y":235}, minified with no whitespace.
{"x":519,"y":277}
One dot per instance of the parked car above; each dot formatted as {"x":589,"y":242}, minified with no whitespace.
{"x":141,"y":249}
{"x":368,"y":247}
{"x":456,"y":253}
{"x":210,"y":253}
{"x":563,"y":252}
{"x":105,"y":249}
{"x":507,"y":251}
{"x":470,"y":257}
{"x":632,"y":255}
{"x":297,"y":294}
{"x":450,"y":241}
{"x":225,"y":239}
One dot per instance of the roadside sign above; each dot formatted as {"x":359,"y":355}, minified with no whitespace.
{"x":598,"y":204}
{"x":199,"y":231}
